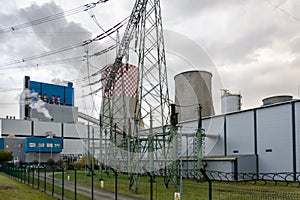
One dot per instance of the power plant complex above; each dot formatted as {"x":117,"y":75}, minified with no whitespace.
{"x":237,"y":141}
{"x":140,"y":130}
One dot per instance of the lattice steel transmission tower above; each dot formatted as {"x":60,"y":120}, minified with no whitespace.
{"x":136,"y":99}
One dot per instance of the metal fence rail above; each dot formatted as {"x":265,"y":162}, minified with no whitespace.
{"x":41,"y":178}
{"x":57,"y":181}
{"x":252,"y":186}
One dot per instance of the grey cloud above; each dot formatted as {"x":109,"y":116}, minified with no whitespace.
{"x":190,"y":8}
{"x":295,"y":45}
{"x":56,"y":33}
{"x":239,"y":50}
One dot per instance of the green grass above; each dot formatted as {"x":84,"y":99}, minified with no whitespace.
{"x":11,"y":189}
{"x":57,"y":188}
{"x":191,"y":189}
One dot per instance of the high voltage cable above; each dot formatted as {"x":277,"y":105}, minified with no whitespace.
{"x":49,"y":18}
{"x":63,"y":61}
{"x":282,"y":10}
{"x":56,"y":51}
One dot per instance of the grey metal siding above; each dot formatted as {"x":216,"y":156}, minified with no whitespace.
{"x":274,"y":136}
{"x":214,"y":126}
{"x":240,"y":132}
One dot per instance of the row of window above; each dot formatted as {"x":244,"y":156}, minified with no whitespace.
{"x":42,"y":145}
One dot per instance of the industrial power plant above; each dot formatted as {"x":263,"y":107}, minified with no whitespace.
{"x":140,"y":130}
{"x":237,"y":141}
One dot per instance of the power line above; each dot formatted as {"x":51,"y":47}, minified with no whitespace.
{"x":49,"y":18}
{"x":283,"y":10}
{"x":56,"y":62}
{"x":67,"y":48}
{"x":63,"y":61}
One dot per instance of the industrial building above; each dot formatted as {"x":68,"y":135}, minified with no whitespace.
{"x":48,"y":127}
{"x":265,"y":139}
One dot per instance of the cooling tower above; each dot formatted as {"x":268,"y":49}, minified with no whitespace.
{"x":191,"y":89}
{"x":277,"y":99}
{"x":230,"y":102}
{"x":119,"y":100}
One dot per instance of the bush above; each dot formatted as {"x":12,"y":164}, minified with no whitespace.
{"x":35,"y":162}
{"x":50,"y":162}
{"x":21,"y":162}
{"x":5,"y":156}
{"x":62,"y":164}
{"x":71,"y":166}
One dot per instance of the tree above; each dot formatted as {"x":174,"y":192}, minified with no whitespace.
{"x":84,"y":160}
{"x":5,"y":156}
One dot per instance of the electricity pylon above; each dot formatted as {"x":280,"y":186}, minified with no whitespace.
{"x":136,"y":99}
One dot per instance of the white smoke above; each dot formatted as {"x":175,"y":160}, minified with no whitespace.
{"x":26,"y":96}
{"x":39,"y":106}
{"x":59,"y":81}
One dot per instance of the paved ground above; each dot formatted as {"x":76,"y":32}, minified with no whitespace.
{"x":86,"y":191}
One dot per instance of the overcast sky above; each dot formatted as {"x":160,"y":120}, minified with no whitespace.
{"x":251,"y":46}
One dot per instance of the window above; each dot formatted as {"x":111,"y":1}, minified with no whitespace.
{"x":41,"y":145}
{"x":49,"y":145}
{"x":57,"y":145}
{"x":32,"y":144}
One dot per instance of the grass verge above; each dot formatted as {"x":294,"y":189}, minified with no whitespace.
{"x":11,"y":189}
{"x":191,"y":189}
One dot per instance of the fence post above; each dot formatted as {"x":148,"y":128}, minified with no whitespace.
{"x":45,"y":170}
{"x":52,"y":180}
{"x":28,"y":174}
{"x":13,"y":172}
{"x":38,"y":177}
{"x":24,"y":174}
{"x":93,"y":184}
{"x":116,"y":182}
{"x":33,"y":172}
{"x":75,"y":179}
{"x":22,"y":177}
{"x":209,"y":183}
{"x":18,"y":173}
{"x":151,"y":176}
{"x":62,"y":184}
{"x":21,"y":174}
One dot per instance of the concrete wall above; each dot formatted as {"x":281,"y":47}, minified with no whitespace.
{"x":16,"y":127}
{"x":41,"y":157}
{"x":42,"y":128}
